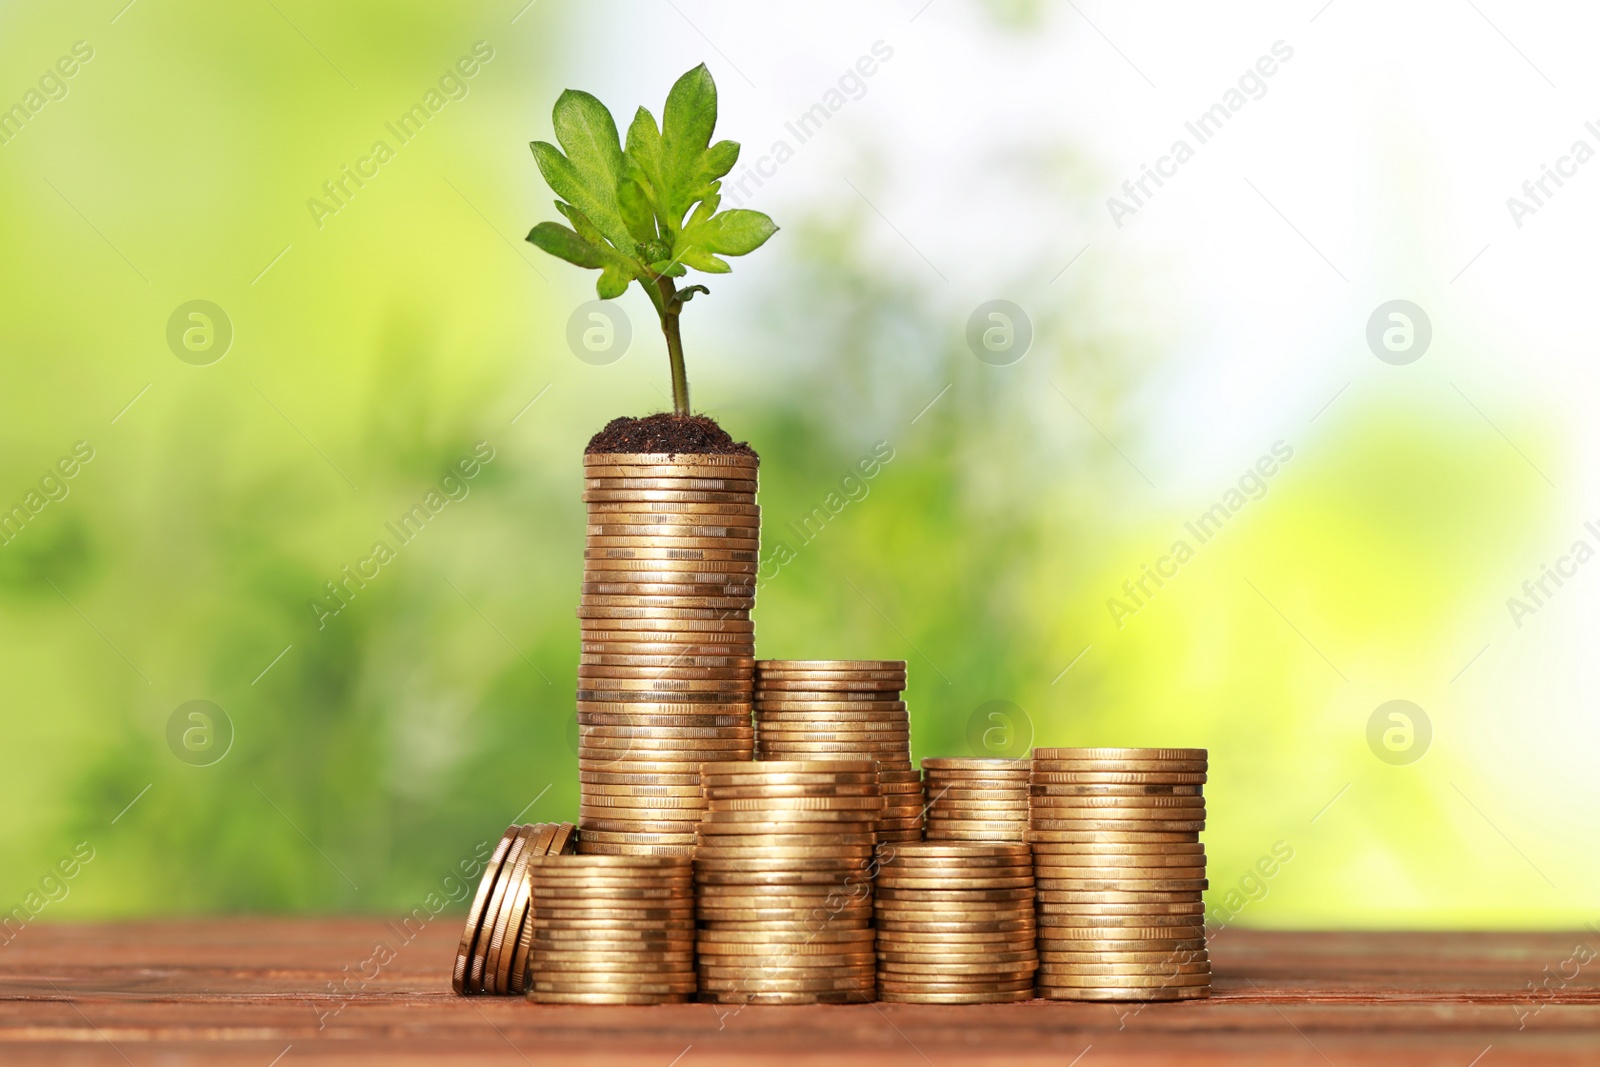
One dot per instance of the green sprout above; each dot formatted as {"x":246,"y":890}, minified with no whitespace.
{"x":646,"y":212}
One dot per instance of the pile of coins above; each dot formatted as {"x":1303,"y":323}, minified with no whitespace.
{"x":955,"y":923}
{"x":1119,"y":869}
{"x":976,"y":799}
{"x":493,"y":954}
{"x":612,"y":930}
{"x":783,"y":881}
{"x":664,"y":680}
{"x":821,"y":709}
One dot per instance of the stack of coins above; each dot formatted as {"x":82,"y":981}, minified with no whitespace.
{"x":613,"y":930}
{"x":810,"y":709}
{"x":1119,"y":869}
{"x":784,"y":881}
{"x":493,"y":954}
{"x":955,"y":923}
{"x":664,"y":681}
{"x":976,"y":799}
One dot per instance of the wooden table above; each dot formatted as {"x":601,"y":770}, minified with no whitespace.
{"x":284,"y":993}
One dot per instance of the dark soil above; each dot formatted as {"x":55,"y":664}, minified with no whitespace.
{"x":669,"y":434}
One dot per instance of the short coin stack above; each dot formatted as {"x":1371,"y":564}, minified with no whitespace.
{"x":843,"y":709}
{"x":612,"y":930}
{"x":664,"y":681}
{"x":955,"y":923}
{"x":783,"y":880}
{"x":493,"y":954}
{"x":976,"y":799}
{"x":1120,"y":869}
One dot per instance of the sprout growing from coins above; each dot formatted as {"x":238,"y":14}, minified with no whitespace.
{"x":648,"y":211}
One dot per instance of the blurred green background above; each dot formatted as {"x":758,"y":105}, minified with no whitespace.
{"x":374,"y":347}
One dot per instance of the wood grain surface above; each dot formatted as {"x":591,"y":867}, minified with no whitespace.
{"x":284,"y":993}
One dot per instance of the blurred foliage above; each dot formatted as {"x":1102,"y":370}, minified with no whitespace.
{"x":374,"y":352}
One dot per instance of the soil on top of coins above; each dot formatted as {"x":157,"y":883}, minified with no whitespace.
{"x":669,"y":434}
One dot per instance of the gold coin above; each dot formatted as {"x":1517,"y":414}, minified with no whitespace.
{"x":593,"y":837}
{"x":739,"y":486}
{"x":711,"y":854}
{"x":602,"y":568}
{"x":793,"y":767}
{"x":642,"y":792}
{"x":960,"y":930}
{"x":619,"y":824}
{"x":1168,"y":754}
{"x":475,"y":910}
{"x":1070,"y":980}
{"x":1132,"y":970}
{"x":1066,"y":874}
{"x":909,"y":972}
{"x":1115,"y":933}
{"x":1090,"y":883}
{"x":1119,"y":766}
{"x":726,"y":551}
{"x":516,"y":910}
{"x":1054,"y":779}
{"x":867,"y":803}
{"x":755,"y":956}
{"x":645,"y":733}
{"x":1130,"y":860}
{"x":771,"y":879}
{"x":639,"y":850}
{"x":1068,"y":898}
{"x":935,"y":896}
{"x":953,"y":910}
{"x":1166,"y":946}
{"x":621,"y":803}
{"x":947,"y":833}
{"x":658,"y":461}
{"x":830,"y":835}
{"x":885,"y":881}
{"x":716,"y":778}
{"x":834,"y":664}
{"x":714,"y":717}
{"x":607,"y":520}
{"x":621,"y":765}
{"x":842,"y":708}
{"x":1112,"y":837}
{"x":1064,"y":919}
{"x":714,"y":865}
{"x":908,"y":958}
{"x":816,"y":915}
{"x":659,"y":541}
{"x":890,"y":996}
{"x":1189,"y":908}
{"x":478,"y":975}
{"x":624,"y":778}
{"x":724,"y":938}
{"x":716,"y":662}
{"x":888,"y":985}
{"x":764,"y":992}
{"x":998,"y":854}
{"x":728,"y":677}
{"x":1115,"y":790}
{"x":820,"y":792}
{"x":654,"y":708}
{"x":1137,"y":850}
{"x":1120,"y":822}
{"x":1117,"y":802}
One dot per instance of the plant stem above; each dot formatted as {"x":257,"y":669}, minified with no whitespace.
{"x":670,"y":306}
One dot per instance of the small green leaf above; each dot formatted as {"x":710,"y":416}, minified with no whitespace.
{"x":637,"y":213}
{"x":686,"y":125}
{"x":565,"y":244}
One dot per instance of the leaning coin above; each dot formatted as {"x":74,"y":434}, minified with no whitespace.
{"x":475,"y":910}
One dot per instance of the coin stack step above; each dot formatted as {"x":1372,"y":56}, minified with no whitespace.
{"x":493,"y":954}
{"x":955,"y":923}
{"x":612,"y":930}
{"x":976,"y":799}
{"x":783,"y":881}
{"x":843,"y":709}
{"x":1120,"y":870}
{"x":664,"y":676}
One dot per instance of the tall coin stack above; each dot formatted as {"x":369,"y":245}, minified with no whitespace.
{"x":810,"y":709}
{"x":664,"y":681}
{"x":976,"y":799}
{"x":612,"y":930}
{"x":784,"y":883}
{"x":1119,"y":869}
{"x":955,"y":923}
